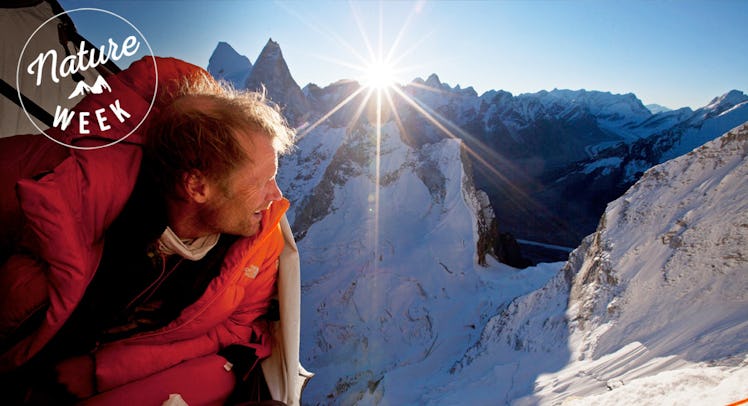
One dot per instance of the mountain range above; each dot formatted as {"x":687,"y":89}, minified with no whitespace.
{"x":416,"y":241}
{"x":549,"y":161}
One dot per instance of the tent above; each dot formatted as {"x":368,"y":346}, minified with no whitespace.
{"x":25,"y":32}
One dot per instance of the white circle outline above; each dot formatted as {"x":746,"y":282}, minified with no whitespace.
{"x":18,"y":77}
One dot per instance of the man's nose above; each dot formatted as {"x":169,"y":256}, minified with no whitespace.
{"x":274,"y":193}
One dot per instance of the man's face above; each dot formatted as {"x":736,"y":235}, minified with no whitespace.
{"x":236,"y":206}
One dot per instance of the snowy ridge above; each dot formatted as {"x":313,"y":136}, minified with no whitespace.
{"x":667,"y":135}
{"x":615,"y":113}
{"x":655,"y":297}
{"x":722,"y":114}
{"x":680,"y":314}
{"x":657,"y":108}
{"x":691,"y":218}
{"x":379,"y":303}
{"x":311,"y":157}
{"x":549,"y":145}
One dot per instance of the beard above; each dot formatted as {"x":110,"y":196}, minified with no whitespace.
{"x":222,"y":217}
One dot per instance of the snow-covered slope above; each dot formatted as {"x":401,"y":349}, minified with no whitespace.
{"x":651,"y":309}
{"x":391,"y":285}
{"x":720,"y":115}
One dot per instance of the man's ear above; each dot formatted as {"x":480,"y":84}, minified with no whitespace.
{"x":196,"y":186}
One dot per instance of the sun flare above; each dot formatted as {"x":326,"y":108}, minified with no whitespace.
{"x":379,"y":76}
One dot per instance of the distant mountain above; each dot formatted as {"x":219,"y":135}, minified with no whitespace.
{"x":549,"y":161}
{"x":663,"y":137}
{"x":656,"y":108}
{"x":271,"y":71}
{"x":82,"y":88}
{"x":521,"y":143}
{"x":227,"y":64}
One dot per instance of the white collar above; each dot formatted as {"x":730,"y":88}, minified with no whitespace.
{"x":193,"y":249}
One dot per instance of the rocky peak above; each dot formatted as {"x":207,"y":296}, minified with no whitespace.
{"x":225,"y":63}
{"x":271,"y":72}
{"x":433,"y":81}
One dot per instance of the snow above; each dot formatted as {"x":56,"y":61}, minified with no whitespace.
{"x":379,"y":304}
{"x":731,"y":98}
{"x":662,"y":307}
{"x":309,"y":161}
{"x":396,"y":309}
{"x":661,"y":381}
{"x":657,"y":108}
{"x":605,"y":164}
{"x":695,"y":385}
{"x":648,"y":310}
{"x":613,"y":112}
{"x":719,"y":118}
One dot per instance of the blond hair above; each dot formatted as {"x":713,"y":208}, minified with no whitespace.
{"x":198,"y":130}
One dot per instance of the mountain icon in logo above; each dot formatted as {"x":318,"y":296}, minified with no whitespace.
{"x":82,"y":88}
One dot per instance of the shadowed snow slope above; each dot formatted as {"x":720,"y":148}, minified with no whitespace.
{"x":656,"y":296}
{"x":650,"y":309}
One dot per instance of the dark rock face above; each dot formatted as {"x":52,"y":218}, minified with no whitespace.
{"x":502,"y":246}
{"x":271,"y":73}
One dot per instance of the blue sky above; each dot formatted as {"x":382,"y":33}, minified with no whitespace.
{"x":674,"y":53}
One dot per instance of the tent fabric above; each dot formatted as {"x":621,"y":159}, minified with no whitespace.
{"x":18,"y":24}
{"x":19,"y":20}
{"x":284,"y":374}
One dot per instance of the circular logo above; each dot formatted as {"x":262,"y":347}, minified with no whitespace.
{"x":59,"y":73}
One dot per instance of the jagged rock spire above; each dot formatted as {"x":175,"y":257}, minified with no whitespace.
{"x":271,"y":71}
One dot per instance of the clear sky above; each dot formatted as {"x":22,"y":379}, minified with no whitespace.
{"x":674,"y":53}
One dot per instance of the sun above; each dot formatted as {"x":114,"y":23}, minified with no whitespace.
{"x":379,"y":76}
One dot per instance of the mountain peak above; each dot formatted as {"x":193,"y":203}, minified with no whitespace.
{"x":223,"y":44}
{"x":227,"y":64}
{"x":729,"y":99}
{"x":223,"y":53}
{"x":657,"y":108}
{"x":271,"y":50}
{"x":433,"y":81}
{"x":271,"y":71}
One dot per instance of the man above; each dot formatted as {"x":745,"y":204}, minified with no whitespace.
{"x":176,"y":285}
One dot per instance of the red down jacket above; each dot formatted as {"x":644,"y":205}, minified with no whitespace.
{"x":55,"y":223}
